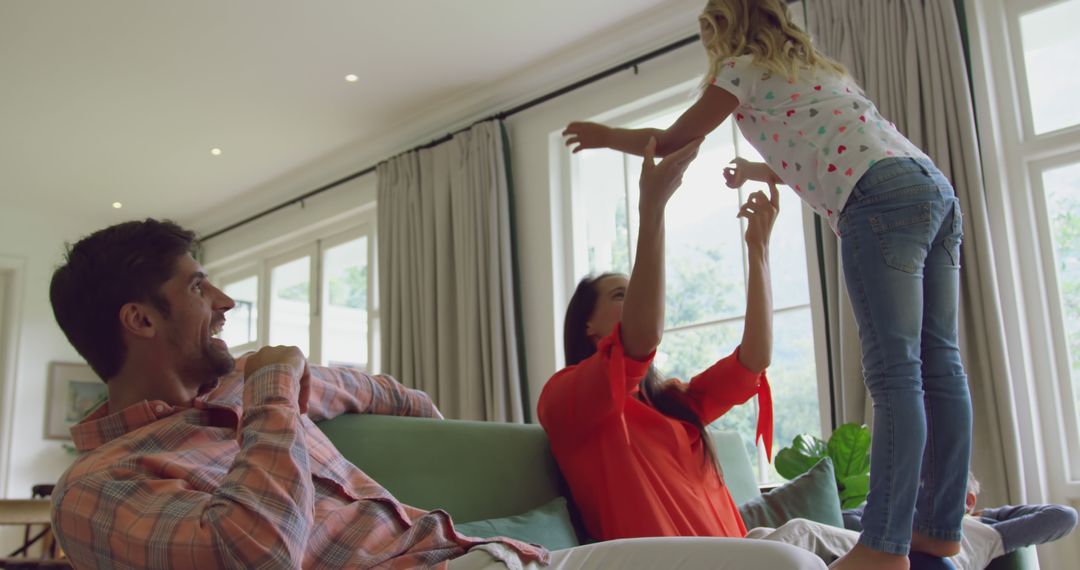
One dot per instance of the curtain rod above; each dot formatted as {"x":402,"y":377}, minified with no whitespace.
{"x":631,"y":64}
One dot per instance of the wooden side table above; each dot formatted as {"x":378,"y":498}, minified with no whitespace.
{"x":30,"y":512}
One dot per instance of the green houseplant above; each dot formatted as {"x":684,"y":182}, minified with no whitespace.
{"x":849,"y":449}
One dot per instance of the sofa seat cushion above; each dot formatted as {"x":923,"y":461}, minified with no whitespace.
{"x":548,"y":525}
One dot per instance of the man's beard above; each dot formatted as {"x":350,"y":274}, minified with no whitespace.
{"x":219,"y":362}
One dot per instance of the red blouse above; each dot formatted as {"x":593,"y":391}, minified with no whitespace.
{"x":633,"y":471}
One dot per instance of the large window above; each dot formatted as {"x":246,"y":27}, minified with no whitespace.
{"x":1022,"y":57}
{"x":706,"y":270}
{"x":334,"y":322}
{"x":1048,"y":149}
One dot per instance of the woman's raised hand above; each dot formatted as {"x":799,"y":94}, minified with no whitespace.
{"x":586,"y":135}
{"x":659,"y":181}
{"x":760,"y":212}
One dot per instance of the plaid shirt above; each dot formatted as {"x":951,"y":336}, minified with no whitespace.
{"x":240,"y":479}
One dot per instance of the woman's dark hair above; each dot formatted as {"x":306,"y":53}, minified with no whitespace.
{"x":661,"y":395}
{"x":125,"y":263}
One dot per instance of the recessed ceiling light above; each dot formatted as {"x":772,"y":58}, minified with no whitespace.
{"x":117,"y":205}
{"x":215,"y":151}
{"x":351,"y":78}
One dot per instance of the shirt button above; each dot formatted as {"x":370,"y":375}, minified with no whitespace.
{"x":159,"y":408}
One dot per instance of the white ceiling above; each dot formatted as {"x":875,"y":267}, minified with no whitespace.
{"x":112,"y":100}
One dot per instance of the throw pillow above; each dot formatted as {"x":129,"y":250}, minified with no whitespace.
{"x":812,"y":496}
{"x":547,"y":525}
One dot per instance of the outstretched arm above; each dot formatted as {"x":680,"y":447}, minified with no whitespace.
{"x":760,"y":211}
{"x":711,"y":109}
{"x":643,"y":308}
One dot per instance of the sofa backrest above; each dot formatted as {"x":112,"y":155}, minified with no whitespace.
{"x":472,"y":470}
{"x":734,"y":460}
{"x":480,"y":470}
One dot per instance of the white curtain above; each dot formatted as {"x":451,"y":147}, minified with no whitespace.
{"x":446,"y":285}
{"x":908,"y":56}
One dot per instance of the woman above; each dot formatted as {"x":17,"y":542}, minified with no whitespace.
{"x":632,"y":446}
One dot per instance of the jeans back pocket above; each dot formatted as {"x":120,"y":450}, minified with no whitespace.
{"x":904,"y":236}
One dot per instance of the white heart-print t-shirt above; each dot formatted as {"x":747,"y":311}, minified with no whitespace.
{"x":819,"y":133}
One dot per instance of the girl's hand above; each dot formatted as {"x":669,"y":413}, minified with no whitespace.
{"x":744,"y":170}
{"x":587,"y":135}
{"x":760,"y":213}
{"x":659,"y":181}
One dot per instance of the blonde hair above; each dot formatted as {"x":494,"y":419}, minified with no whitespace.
{"x":763,"y":29}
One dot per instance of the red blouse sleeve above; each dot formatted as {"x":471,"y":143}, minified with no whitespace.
{"x":584,"y":393}
{"x":727,"y":384}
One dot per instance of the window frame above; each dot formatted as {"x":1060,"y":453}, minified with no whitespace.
{"x":362,"y":230}
{"x":1056,"y":322}
{"x":1014,"y":159}
{"x":313,"y":242}
{"x":224,"y":279}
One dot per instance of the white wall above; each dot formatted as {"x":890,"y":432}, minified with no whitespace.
{"x":33,"y":242}
{"x":37,"y":238}
{"x":541,"y":193}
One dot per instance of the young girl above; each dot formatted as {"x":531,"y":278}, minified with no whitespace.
{"x":900,"y":229}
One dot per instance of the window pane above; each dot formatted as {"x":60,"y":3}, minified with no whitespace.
{"x":1063,"y":199}
{"x":242,"y":322}
{"x":704,"y":243}
{"x":601,"y":188}
{"x":684,"y":354}
{"x":290,"y":304}
{"x":787,"y":254}
{"x":1051,"y":48}
{"x":345,"y":303}
{"x":793,"y":378}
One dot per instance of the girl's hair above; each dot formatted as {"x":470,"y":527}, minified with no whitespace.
{"x":763,"y":29}
{"x":660,"y":394}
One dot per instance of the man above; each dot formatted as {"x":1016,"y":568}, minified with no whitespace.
{"x":192,"y":464}
{"x":195,"y":461}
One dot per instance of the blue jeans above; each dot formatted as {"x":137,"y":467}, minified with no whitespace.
{"x":900,"y":247}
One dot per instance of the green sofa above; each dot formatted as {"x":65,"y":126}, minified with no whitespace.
{"x":481,"y":470}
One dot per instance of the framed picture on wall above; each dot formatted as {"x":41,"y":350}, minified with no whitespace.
{"x":74,"y":391}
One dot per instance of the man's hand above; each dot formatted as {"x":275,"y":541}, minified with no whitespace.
{"x":286,"y":355}
{"x":760,"y":213}
{"x":586,"y":135}
{"x":659,"y":181}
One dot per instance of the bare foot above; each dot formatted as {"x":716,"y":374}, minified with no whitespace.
{"x":865,"y":558}
{"x":934,"y":546}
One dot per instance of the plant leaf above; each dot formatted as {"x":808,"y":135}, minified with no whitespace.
{"x":853,"y":490}
{"x":810,"y":445}
{"x":805,"y":451}
{"x":849,"y":448}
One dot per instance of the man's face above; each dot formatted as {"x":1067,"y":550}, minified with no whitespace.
{"x":609,"y":304}
{"x":196,"y":315}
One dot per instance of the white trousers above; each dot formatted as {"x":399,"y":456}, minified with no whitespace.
{"x":649,"y":553}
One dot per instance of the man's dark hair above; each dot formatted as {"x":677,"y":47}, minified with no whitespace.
{"x":125,"y":263}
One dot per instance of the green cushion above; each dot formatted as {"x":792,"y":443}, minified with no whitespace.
{"x":1020,"y":559}
{"x":738,"y":471}
{"x":810,"y":496}
{"x":472,"y":470}
{"x":548,"y":525}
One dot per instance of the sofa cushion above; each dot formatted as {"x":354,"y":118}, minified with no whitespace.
{"x":472,"y":470}
{"x":812,"y":496}
{"x":548,"y":525}
{"x":738,"y":471}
